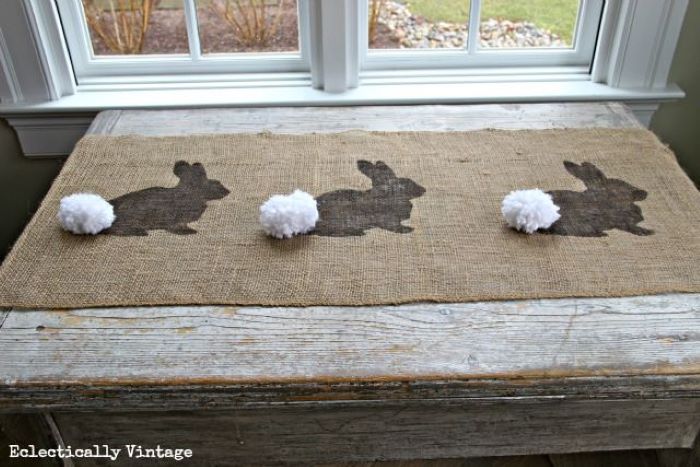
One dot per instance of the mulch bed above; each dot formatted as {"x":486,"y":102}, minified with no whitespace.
{"x":168,"y":34}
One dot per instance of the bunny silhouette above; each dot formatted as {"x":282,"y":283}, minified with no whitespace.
{"x":606,"y":204}
{"x":346,"y":213}
{"x":169,"y":209}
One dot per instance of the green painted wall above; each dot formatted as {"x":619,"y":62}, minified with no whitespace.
{"x":678,"y":123}
{"x":23,"y":182}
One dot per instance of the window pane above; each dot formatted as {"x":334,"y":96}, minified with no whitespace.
{"x":418,"y":24}
{"x":125,"y":27}
{"x":534,"y":23}
{"x":227,"y":26}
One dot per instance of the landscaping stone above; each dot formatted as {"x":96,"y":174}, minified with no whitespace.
{"x":415,"y":32}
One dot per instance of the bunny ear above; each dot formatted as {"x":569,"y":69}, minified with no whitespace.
{"x":365,"y":167}
{"x":198,"y":170}
{"x":378,"y":173}
{"x":180,"y":168}
{"x":189,"y":173}
{"x":586,"y":172}
{"x":382,"y":169}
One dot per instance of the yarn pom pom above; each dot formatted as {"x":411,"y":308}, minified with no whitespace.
{"x":529,"y":210}
{"x":284,"y":216}
{"x":85,"y":213}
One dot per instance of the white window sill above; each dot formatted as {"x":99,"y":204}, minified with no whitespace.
{"x":52,"y":128}
{"x":367,"y":94}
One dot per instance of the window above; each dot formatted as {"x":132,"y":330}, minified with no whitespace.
{"x":113,"y":41}
{"x":444,"y":24}
{"x":227,"y":26}
{"x":57,"y":69}
{"x":481,"y":33}
{"x":87,"y":55}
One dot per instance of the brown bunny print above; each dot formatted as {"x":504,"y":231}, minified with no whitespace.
{"x":346,"y":213}
{"x":606,"y":204}
{"x":169,"y":209}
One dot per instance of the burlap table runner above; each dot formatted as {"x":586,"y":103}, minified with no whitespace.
{"x":423,"y":224}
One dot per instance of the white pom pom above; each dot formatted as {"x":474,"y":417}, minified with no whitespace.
{"x":283,"y":216}
{"x":529,"y":210}
{"x":85,"y":213}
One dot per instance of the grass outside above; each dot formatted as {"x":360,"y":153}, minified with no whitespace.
{"x":559,"y":16}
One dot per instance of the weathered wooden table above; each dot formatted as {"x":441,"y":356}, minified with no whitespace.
{"x":262,"y":385}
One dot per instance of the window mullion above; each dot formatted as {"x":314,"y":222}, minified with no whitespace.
{"x":474,"y":22}
{"x":192,"y":29}
{"x":304,"y":32}
{"x":335,"y":44}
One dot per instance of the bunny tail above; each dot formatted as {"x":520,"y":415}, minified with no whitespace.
{"x":85,"y":213}
{"x":284,"y":216}
{"x":529,"y":210}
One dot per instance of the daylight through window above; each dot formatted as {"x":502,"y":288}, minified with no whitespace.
{"x":110,"y":40}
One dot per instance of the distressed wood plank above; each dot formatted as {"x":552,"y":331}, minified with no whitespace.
{"x":208,"y":395}
{"x":3,"y":316}
{"x":503,"y":461}
{"x":453,"y":349}
{"x":380,"y":118}
{"x":104,"y":122}
{"x":652,"y":335}
{"x":365,"y":431}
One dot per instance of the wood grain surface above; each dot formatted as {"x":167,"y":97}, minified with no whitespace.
{"x":362,"y":431}
{"x":379,"y":118}
{"x":472,"y":345}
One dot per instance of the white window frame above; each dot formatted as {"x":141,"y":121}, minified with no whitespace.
{"x":473,"y":56}
{"x":633,"y":54}
{"x":105,"y":69}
